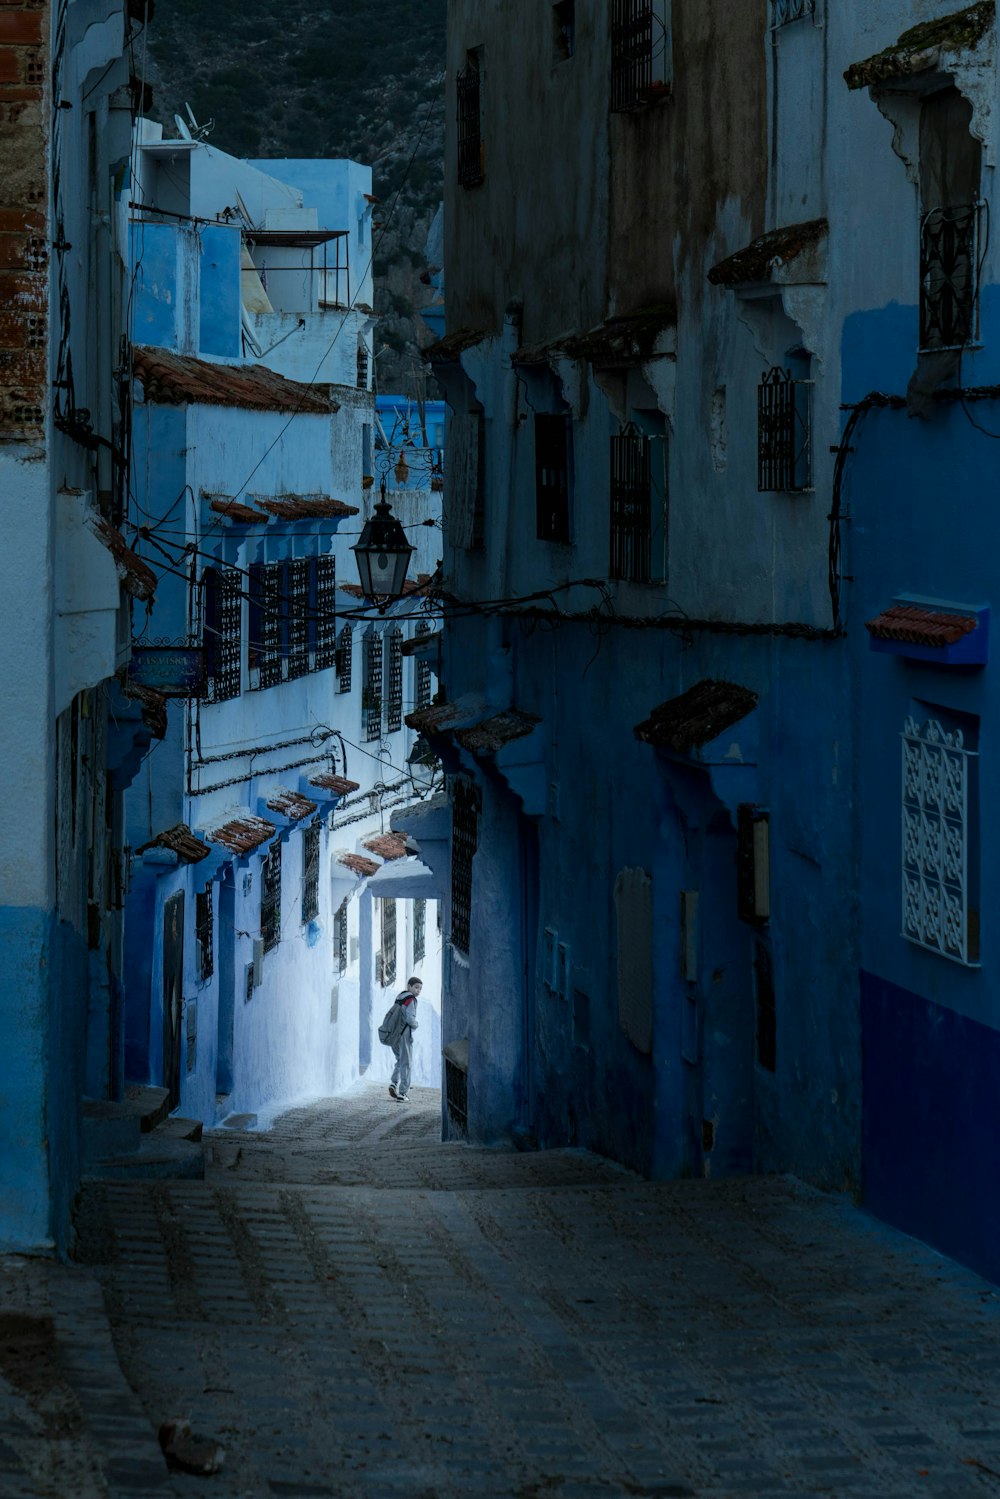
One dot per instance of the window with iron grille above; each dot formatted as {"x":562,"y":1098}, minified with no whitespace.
{"x":464,"y":839}
{"x":298,"y":580}
{"x":340,"y":936}
{"x":270,"y":897}
{"x":949,"y":266}
{"x":223,"y":633}
{"x":631,"y":506}
{"x":266,"y":618}
{"x":385,"y":964}
{"x":394,"y":700}
{"x":640,"y":52}
{"x":371,"y":687}
{"x":471,"y":156}
{"x":419,"y":929}
{"x":783,"y":11}
{"x":203,"y":931}
{"x":345,"y":658}
{"x":423,"y":688}
{"x":783,"y":421}
{"x":553,"y":440}
{"x":362,"y":364}
{"x":310,"y":872}
{"x":326,"y":613}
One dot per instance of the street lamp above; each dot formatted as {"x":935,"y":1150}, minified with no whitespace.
{"x":383,"y":555}
{"x":423,"y":764}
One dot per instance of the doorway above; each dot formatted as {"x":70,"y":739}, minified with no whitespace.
{"x":173,"y":993}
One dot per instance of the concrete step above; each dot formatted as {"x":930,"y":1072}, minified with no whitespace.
{"x":109,"y":1129}
{"x":176,"y":1128}
{"x":157,"y":1159}
{"x":151,"y":1104}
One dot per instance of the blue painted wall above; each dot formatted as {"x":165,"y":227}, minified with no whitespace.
{"x":220,"y":292}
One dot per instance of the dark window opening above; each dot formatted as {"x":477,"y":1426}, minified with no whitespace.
{"x":385,"y":965}
{"x":203,"y":932}
{"x":326,"y":613}
{"x":464,"y":841}
{"x":419,"y":930}
{"x":310,"y":873}
{"x":423,"y":684}
{"x":340,"y":936}
{"x":457,"y":1095}
{"x":471,"y":155}
{"x":222,"y":632}
{"x":371,"y":689}
{"x":394,"y":700}
{"x":553,"y":448}
{"x":266,"y":619}
{"x":345,"y":657}
{"x":631,"y":506}
{"x":951,"y":222}
{"x":299,"y":615}
{"x":564,"y":29}
{"x":783,"y":427}
{"x":270,"y":898}
{"x":640,"y":52}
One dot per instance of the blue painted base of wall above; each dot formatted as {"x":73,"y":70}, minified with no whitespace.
{"x":931,"y":1126}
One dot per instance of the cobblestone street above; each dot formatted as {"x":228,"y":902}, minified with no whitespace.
{"x":351,"y":1308}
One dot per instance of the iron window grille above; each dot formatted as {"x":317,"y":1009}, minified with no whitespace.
{"x":471,"y":156}
{"x":939,"y":912}
{"x":345,"y":657}
{"x":203,"y":931}
{"x":394,"y":699}
{"x":457,"y":1095}
{"x":266,"y":616}
{"x":362,"y":365}
{"x":340,"y":935}
{"x":326,"y":613}
{"x":223,"y":631}
{"x":299,"y":576}
{"x":783,"y":11}
{"x":423,"y":689}
{"x":270,"y":897}
{"x":371,"y":690}
{"x":553,"y":435}
{"x":464,"y":841}
{"x":385,"y":966}
{"x":631,"y":506}
{"x":310,"y":875}
{"x":639,"y":51}
{"x":949,"y":276}
{"x":419,"y":930}
{"x":783,"y":432}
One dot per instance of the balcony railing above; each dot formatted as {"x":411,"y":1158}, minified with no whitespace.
{"x":783,"y":421}
{"x":949,"y":276}
{"x":783,"y":11}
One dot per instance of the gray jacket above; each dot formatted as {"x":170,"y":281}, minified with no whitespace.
{"x":404,"y":1021}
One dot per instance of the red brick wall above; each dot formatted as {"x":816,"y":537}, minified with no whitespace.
{"x":24,"y":238}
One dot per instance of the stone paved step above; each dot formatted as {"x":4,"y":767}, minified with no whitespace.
{"x":158,"y":1158}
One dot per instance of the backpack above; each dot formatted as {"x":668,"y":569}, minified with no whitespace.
{"x":392,"y":1025}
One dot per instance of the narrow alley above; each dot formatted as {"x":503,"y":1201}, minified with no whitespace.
{"x":351,"y":1308}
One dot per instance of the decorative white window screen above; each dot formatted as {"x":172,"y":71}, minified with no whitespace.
{"x":936,"y":774}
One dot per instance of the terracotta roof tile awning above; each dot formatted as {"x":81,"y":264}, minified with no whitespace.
{"x":620,"y":340}
{"x":137,"y":577}
{"x":234,"y":510}
{"x":697,"y":716}
{"x":388,"y":846}
{"x":916,"y":626}
{"x":358,"y":864}
{"x":921,"y":48}
{"x":291,"y":804}
{"x":303,"y":506}
{"x":434,"y":720}
{"x":243,"y":833}
{"x":493,"y":733}
{"x":454,"y":344}
{"x":154,"y":705}
{"x":339,"y":785}
{"x":757,"y":259}
{"x":181,"y":380}
{"x":181,"y":841}
{"x":419,"y":644}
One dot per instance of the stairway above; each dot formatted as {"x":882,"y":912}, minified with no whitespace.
{"x":137,"y":1140}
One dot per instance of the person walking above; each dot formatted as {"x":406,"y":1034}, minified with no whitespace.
{"x":404,"y":1024}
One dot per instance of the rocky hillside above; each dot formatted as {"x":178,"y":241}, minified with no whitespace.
{"x":358,"y":78}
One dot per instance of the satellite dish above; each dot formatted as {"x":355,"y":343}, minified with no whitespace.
{"x":182,"y":129}
{"x":190,"y":115}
